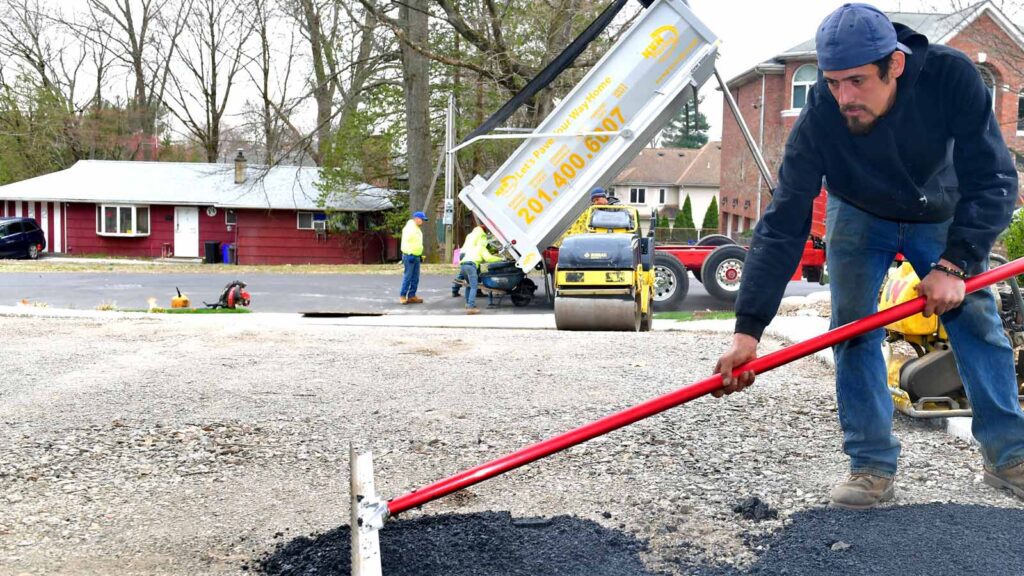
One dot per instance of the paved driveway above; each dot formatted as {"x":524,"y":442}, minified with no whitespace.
{"x":370,"y":293}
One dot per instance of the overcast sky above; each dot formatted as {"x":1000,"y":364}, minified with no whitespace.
{"x":754,"y":31}
{"x":751,"y":31}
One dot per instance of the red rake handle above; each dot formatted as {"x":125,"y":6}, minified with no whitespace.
{"x":682,"y":395}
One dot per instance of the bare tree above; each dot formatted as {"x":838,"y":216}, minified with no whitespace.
{"x":318,"y":23}
{"x":210,"y":55}
{"x":32,"y":35}
{"x":271,"y":73}
{"x":141,"y":35}
{"x":510,"y":41}
{"x":348,"y":58}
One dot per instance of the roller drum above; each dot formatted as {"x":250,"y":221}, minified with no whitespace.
{"x":597,"y":313}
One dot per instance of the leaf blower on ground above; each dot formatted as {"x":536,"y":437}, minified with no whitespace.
{"x":232,"y":296}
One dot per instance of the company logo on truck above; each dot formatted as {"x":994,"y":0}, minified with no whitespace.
{"x":508,"y":184}
{"x":663,"y":43}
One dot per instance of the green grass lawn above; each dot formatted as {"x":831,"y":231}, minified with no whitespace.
{"x":697,"y":315}
{"x":85,"y":265}
{"x":188,"y":310}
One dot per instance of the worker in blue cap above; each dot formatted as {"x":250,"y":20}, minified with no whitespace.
{"x":412,"y":256}
{"x":598,"y":197}
{"x":903,"y":133}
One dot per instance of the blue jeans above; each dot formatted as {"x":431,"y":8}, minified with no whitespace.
{"x":411,"y":275}
{"x":861,"y":248}
{"x":470,"y":272}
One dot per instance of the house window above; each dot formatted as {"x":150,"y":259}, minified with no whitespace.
{"x":661,"y":196}
{"x":306,"y":219}
{"x":804,"y":77}
{"x":230,"y":218}
{"x":1020,"y":111}
{"x":990,"y":82}
{"x":142,"y":220}
{"x":118,"y":220}
{"x":637,"y":195}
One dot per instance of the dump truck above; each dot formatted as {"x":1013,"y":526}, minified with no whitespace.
{"x":635,"y":89}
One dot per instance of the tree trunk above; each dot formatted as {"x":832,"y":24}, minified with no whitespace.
{"x":416,"y":84}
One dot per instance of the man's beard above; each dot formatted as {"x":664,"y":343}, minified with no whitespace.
{"x":857,"y":126}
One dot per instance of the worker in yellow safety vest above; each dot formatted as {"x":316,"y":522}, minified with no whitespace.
{"x":412,"y":255}
{"x":474,"y":252}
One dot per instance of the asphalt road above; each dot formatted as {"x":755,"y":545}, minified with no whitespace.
{"x":360,"y":293}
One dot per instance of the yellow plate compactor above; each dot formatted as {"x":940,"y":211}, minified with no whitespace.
{"x":923,"y":377}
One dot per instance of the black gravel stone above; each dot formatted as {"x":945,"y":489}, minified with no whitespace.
{"x":753,"y":508}
{"x":924,"y":540}
{"x":488,"y":543}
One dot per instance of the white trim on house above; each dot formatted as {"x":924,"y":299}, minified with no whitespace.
{"x":790,"y":113}
{"x":1000,"y":19}
{"x":58,"y":229}
{"x":762,"y":69}
{"x":44,"y":223}
{"x":101,"y":220}
{"x":793,"y":84}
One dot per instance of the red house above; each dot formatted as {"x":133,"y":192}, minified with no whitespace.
{"x":165,"y":209}
{"x":771,"y":95}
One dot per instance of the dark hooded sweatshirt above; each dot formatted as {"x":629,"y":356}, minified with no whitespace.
{"x":936,"y":154}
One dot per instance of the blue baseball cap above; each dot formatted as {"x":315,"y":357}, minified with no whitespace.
{"x":420,"y":215}
{"x":855,"y":35}
{"x":598,"y":193}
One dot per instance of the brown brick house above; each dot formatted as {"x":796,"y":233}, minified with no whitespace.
{"x":661,"y":179}
{"x":771,"y":94}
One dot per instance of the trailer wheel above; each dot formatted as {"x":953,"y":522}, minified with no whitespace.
{"x":670,"y":282}
{"x":715,"y":240}
{"x":722,"y":272}
{"x":523,"y":294}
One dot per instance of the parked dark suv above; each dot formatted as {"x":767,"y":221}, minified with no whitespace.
{"x":21,"y":238}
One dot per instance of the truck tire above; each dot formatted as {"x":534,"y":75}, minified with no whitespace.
{"x":722,"y":272}
{"x":814,"y":274}
{"x":715,"y":240}
{"x":712,"y":240}
{"x":670,"y":282}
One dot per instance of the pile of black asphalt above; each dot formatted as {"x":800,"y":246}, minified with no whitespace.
{"x":491,"y":543}
{"x":925,"y":540}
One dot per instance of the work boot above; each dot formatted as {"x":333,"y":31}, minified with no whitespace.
{"x":473,"y":310}
{"x":863,"y":491}
{"x":1011,"y":479}
{"x":403,"y":300}
{"x":415,"y":300}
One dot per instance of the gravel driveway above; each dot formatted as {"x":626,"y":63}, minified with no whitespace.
{"x":213,"y":445}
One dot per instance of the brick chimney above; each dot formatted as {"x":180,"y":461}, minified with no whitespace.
{"x":240,"y":165}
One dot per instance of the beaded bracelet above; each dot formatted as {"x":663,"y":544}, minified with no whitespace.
{"x":950,"y":271}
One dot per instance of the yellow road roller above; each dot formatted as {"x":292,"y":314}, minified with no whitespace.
{"x":604,"y":278}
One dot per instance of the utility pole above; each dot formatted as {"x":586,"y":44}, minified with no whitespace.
{"x":449,"y":178}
